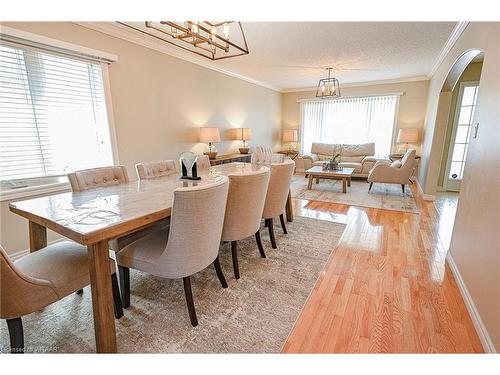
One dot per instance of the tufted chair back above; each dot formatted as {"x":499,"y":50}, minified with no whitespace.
{"x":266,"y":158}
{"x":263,"y":150}
{"x":98,"y":177}
{"x":242,"y":219}
{"x":155,"y":169}
{"x":277,"y":191}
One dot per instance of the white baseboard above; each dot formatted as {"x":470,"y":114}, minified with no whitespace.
{"x":484,"y":337}
{"x":20,"y":254}
{"x":425,"y":197}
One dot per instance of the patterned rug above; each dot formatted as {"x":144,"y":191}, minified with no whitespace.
{"x":254,"y":315}
{"x":384,"y":196}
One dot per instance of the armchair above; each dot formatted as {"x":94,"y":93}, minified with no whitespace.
{"x":398,"y":172}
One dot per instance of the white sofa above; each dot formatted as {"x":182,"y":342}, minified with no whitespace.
{"x":357,"y":156}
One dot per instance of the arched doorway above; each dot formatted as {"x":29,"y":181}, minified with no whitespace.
{"x":443,"y":129}
{"x":454,"y":128}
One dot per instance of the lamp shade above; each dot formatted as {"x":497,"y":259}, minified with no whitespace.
{"x":244,"y":134}
{"x":290,"y":135}
{"x":209,"y":135}
{"x":408,"y":135}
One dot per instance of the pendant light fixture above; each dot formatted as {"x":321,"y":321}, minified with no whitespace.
{"x":328,"y":88}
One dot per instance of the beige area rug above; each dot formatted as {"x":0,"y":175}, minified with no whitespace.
{"x":384,"y":196}
{"x":254,"y":315}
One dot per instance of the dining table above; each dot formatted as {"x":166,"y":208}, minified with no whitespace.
{"x":94,"y":217}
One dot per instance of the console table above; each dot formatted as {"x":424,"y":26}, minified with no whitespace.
{"x":231,"y":158}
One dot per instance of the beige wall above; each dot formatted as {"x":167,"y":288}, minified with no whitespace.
{"x":412,"y":104}
{"x":158,"y":103}
{"x":475,"y":244}
{"x":471,"y":73}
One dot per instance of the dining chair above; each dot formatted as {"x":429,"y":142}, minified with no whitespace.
{"x":266,"y":158}
{"x":94,"y":178}
{"x":155,"y":169}
{"x":42,"y":278}
{"x":189,"y":245}
{"x":203,"y":163}
{"x":263,"y":149}
{"x":245,"y":203}
{"x":277,"y":195}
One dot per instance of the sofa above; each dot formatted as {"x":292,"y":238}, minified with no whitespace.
{"x":357,"y":156}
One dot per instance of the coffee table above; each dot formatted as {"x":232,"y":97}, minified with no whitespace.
{"x":317,"y":172}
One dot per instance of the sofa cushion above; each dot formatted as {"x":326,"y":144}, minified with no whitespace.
{"x":362,"y":149}
{"x":324,"y":157}
{"x":325,"y":148}
{"x":357,"y":166}
{"x":352,"y":159}
{"x":396,"y":164}
{"x":319,"y":163}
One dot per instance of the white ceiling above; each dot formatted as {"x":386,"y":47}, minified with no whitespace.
{"x":291,"y":55}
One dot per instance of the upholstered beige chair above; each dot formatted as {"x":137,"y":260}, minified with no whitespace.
{"x":40,"y":279}
{"x":398,"y":172}
{"x":190,"y":244}
{"x":93,"y":178}
{"x":155,"y":169}
{"x":266,"y":158}
{"x":277,"y":194}
{"x":97,"y":177}
{"x":203,"y":164}
{"x":242,"y":219}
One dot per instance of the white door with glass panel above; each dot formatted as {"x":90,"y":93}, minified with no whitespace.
{"x":462,"y":127}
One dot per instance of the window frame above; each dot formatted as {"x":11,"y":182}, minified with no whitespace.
{"x":395,"y":127}
{"x":36,"y":185}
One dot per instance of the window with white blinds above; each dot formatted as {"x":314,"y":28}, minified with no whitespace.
{"x":53,"y":116}
{"x":350,"y":120}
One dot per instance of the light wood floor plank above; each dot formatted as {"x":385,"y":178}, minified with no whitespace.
{"x":386,"y":288}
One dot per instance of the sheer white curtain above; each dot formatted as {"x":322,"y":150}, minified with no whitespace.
{"x":349,"y":120}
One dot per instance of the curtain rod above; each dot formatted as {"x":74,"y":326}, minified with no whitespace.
{"x":314,"y":99}
{"x":27,"y":39}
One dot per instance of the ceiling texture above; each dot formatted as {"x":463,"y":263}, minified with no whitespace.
{"x":293,"y":55}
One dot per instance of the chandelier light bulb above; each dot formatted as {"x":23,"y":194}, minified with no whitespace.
{"x":225,"y":30}
{"x":194,"y":26}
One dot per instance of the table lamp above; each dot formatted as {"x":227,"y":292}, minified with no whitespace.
{"x":210,"y":135}
{"x":244,"y":135}
{"x":406,"y":136}
{"x":290,"y":136}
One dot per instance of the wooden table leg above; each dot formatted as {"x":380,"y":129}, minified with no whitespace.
{"x":344,"y":185}
{"x":310,"y":183}
{"x":38,"y":236}
{"x":317,"y":181}
{"x":102,"y":297}
{"x":349,"y":181}
{"x":289,"y":207}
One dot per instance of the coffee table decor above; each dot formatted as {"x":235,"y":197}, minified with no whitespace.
{"x":318,"y":172}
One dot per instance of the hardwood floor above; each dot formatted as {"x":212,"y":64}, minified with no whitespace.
{"x":386,"y":288}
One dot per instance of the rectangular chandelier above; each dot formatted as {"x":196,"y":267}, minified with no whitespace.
{"x":213,"y":40}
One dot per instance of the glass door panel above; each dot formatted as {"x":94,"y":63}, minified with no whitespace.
{"x":464,"y":115}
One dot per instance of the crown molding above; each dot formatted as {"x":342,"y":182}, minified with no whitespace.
{"x":452,"y":39}
{"x":115,"y":30}
{"x":365,"y":83}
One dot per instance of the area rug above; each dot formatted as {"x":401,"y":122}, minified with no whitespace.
{"x":254,"y":315}
{"x":383,"y":196}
